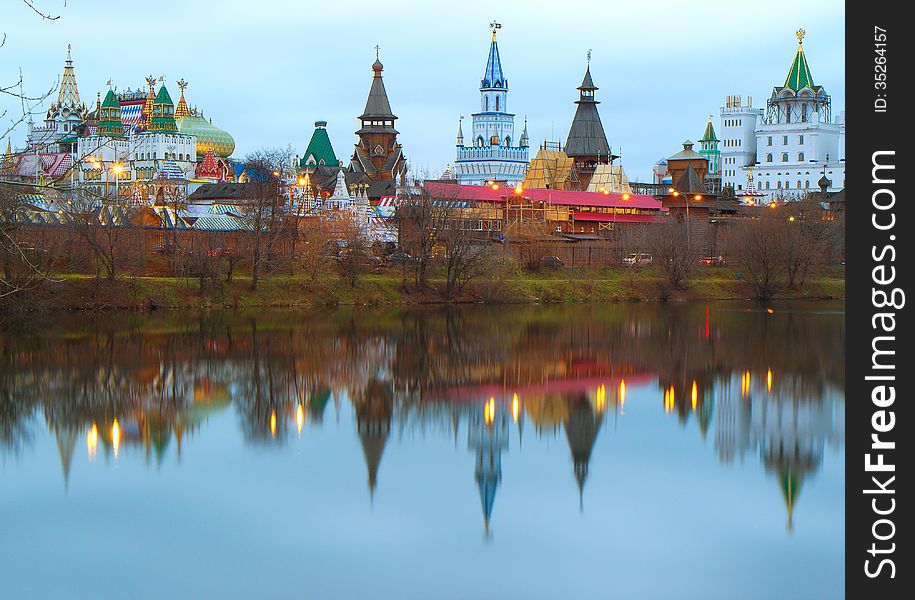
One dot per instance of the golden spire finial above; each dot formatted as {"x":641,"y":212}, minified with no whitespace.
{"x":800,"y":33}
{"x":495,"y":25}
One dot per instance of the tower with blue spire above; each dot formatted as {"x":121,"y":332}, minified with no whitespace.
{"x":492,"y":152}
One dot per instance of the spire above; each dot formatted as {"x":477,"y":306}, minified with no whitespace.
{"x":163,"y":113}
{"x":492,"y":76}
{"x":68,"y":95}
{"x":109,"y":112}
{"x":377,"y":105}
{"x":799,"y":75}
{"x":150,"y":100}
{"x":66,"y":444}
{"x":6,"y":167}
{"x":709,"y":135}
{"x":582,"y":426}
{"x":586,"y":136}
{"x":181,"y":110}
{"x":460,"y":134}
{"x":524,"y":142}
{"x":340,"y":194}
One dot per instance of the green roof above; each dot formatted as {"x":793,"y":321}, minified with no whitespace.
{"x":709,"y":135}
{"x":163,"y":98}
{"x":320,"y":148}
{"x":111,"y":101}
{"x":799,"y":76}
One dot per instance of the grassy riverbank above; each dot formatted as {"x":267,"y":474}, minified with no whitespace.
{"x":379,"y":289}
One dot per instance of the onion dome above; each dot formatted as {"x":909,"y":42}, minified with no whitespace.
{"x":208,"y":135}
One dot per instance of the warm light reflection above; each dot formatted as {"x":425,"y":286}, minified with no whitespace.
{"x":622,"y":395}
{"x":669,"y":396}
{"x":769,"y":380}
{"x":299,"y":417}
{"x":516,"y":408}
{"x":489,"y":411}
{"x":601,"y":397}
{"x":770,"y":310}
{"x":92,"y":441}
{"x":694,"y":395}
{"x":745,"y":383}
{"x":116,"y":437}
{"x":518,"y":190}
{"x":273,"y":423}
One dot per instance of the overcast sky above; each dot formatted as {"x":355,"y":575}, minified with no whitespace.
{"x":266,"y":70}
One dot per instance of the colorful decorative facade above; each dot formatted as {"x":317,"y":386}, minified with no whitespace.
{"x":129,"y":140}
{"x":492,"y":154}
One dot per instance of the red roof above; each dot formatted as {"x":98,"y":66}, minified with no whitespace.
{"x":619,"y":218}
{"x":454,"y":191}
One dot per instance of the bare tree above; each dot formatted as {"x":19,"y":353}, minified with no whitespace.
{"x":265,"y":211}
{"x":755,"y":246}
{"x":356,"y":256}
{"x":311,"y":257}
{"x":416,"y":217}
{"x":106,"y":227}
{"x":673,"y":249}
{"x":465,"y":255}
{"x":810,"y":237}
{"x":201,"y":257}
{"x":22,"y":266}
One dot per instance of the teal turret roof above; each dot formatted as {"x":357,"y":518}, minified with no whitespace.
{"x":799,"y":75}
{"x":163,"y":97}
{"x":709,"y":135}
{"x":320,"y":151}
{"x":492,"y":76}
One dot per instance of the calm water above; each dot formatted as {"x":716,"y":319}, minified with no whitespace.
{"x":571,"y":452}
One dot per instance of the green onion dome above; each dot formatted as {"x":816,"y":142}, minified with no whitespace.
{"x":208,"y":135}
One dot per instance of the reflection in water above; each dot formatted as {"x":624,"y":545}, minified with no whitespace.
{"x":131,"y":385}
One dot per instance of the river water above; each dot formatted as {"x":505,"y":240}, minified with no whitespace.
{"x":625,"y":451}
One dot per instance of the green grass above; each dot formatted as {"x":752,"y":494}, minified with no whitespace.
{"x":75,"y":291}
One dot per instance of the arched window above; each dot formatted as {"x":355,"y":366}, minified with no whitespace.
{"x":798,"y":184}
{"x":807,"y":183}
{"x":508,"y":141}
{"x":768,"y":158}
{"x":804,"y":114}
{"x":485,"y":103}
{"x":787,"y":114}
{"x":784,"y":157}
{"x":779,"y":185}
{"x":767,"y":185}
{"x":497,"y":104}
{"x":480,"y":141}
{"x":800,"y":157}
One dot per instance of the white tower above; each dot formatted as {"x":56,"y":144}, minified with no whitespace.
{"x":738,"y":140}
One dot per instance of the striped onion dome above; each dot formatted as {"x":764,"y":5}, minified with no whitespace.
{"x":208,"y":135}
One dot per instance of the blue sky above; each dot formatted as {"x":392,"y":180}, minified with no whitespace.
{"x":265,"y":71}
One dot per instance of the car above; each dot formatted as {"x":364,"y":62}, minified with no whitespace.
{"x":552,"y":262}
{"x":634,"y":259}
{"x":712,"y":261}
{"x":398,"y":258}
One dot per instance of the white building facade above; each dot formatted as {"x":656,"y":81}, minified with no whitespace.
{"x":493,"y":153}
{"x":788,"y":146}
